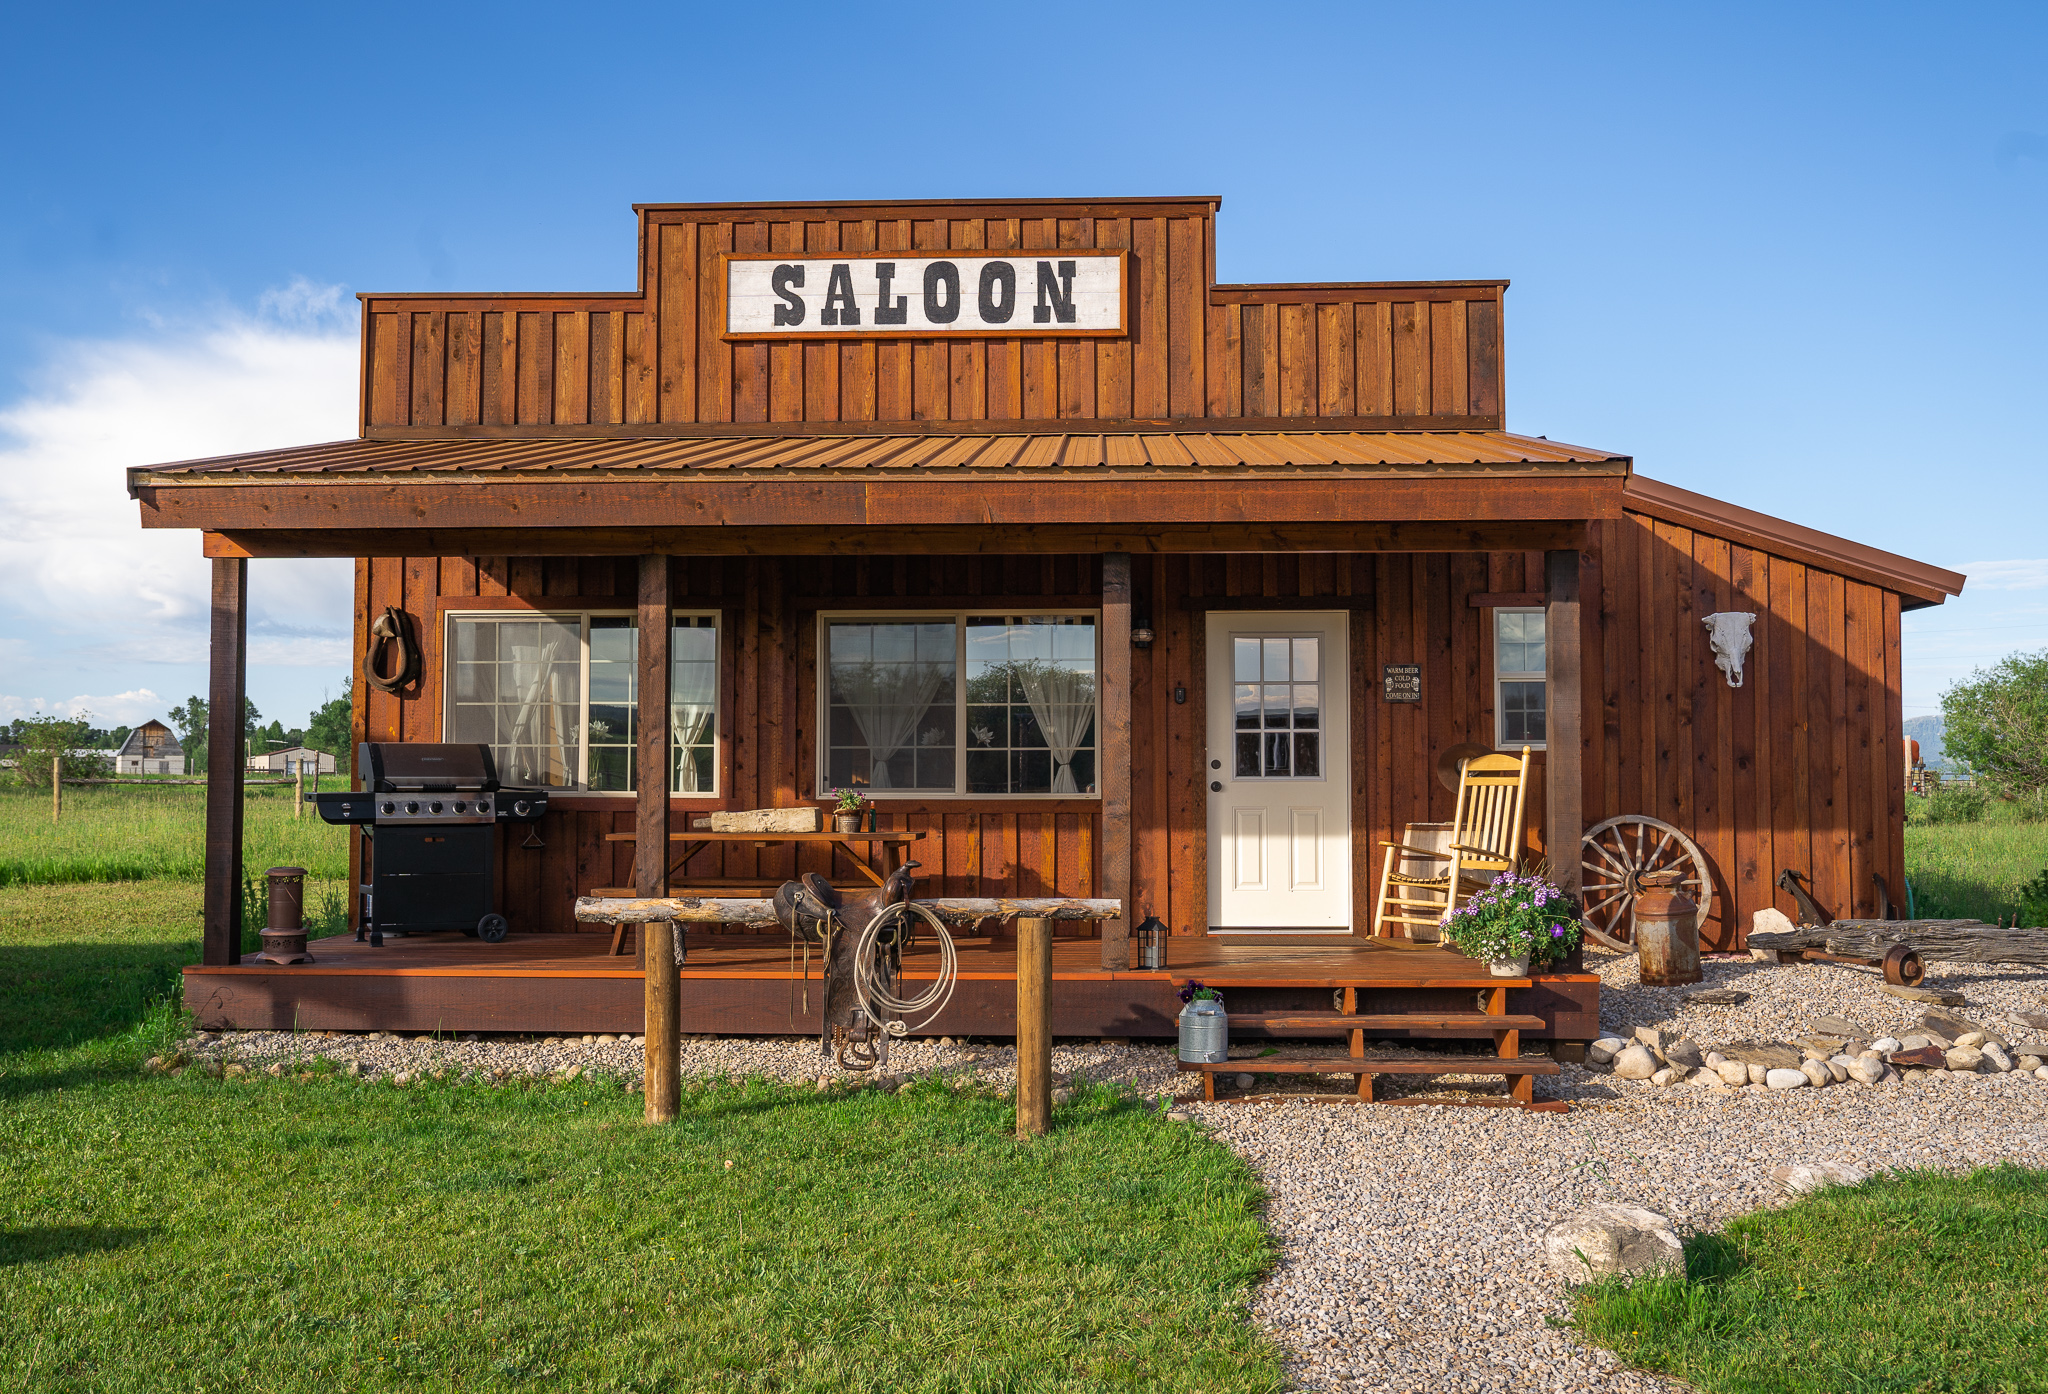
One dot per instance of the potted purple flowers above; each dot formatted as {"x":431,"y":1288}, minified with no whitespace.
{"x":1513,"y":923}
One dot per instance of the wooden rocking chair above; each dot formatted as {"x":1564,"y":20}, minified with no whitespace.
{"x":1485,"y":840}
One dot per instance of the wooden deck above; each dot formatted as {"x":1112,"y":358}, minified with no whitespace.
{"x":742,"y":984}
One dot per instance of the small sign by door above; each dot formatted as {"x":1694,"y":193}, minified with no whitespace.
{"x":1403,"y":681}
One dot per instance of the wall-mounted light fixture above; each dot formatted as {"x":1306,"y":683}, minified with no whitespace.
{"x":1141,"y":631}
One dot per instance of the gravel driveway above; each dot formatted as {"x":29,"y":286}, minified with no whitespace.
{"x":1409,"y":1256}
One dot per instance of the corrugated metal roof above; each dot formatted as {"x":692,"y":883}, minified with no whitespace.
{"x":1122,"y":453}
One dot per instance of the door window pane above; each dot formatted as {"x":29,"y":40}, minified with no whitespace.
{"x":1278,"y":692}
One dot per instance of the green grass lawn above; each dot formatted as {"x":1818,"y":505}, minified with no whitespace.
{"x":1973,"y":870}
{"x":148,"y":831}
{"x":1912,"y":1284}
{"x":316,"y":1233}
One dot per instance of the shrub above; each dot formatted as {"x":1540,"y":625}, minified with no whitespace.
{"x":48,"y":738}
{"x":1956,"y":803}
{"x":2034,"y":902}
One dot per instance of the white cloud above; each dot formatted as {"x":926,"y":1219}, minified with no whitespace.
{"x":82,"y":585}
{"x":120,"y":709}
{"x":2007,"y":575}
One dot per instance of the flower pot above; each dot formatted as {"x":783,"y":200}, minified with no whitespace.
{"x":1509,"y":967}
{"x":846,"y":822}
{"x":1204,"y":1032}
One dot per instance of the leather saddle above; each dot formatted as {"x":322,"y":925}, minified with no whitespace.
{"x":806,"y":908}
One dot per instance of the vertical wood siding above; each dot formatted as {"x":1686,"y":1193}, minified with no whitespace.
{"x":499,"y":364}
{"x":1798,"y":768}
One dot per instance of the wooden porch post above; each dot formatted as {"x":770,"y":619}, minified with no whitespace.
{"x":227,"y":668}
{"x":1564,"y":813}
{"x":1114,"y":755}
{"x":663,"y":1034}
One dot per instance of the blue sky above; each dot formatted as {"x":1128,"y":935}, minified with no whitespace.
{"x":1787,"y":256}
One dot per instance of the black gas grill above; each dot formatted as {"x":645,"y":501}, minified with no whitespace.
{"x":430,"y":816}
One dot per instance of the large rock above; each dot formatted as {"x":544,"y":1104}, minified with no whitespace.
{"x":1610,"y":1238}
{"x":1715,"y":997}
{"x":1770,"y":921}
{"x":1950,"y":1024}
{"x":1655,"y":1037}
{"x":1732,"y":1072}
{"x":1922,"y":1058}
{"x":766,"y":820}
{"x":1786,"y":1079}
{"x":1922,"y":994}
{"x":1635,"y":1063}
{"x":1885,"y":1045}
{"x":1995,"y":1058}
{"x":1817,"y":1073}
{"x":1803,"y":1178}
{"x":1964,"y":1059}
{"x":1603,"y":1051}
{"x":1866,"y":1069}
{"x":1840,"y":1027}
{"x":1772,"y":1055}
{"x":1685,"y":1051}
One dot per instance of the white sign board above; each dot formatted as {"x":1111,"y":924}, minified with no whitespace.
{"x":890,"y":294}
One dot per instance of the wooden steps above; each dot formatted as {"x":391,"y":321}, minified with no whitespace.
{"x":1521,"y":1072}
{"x":1477,"y":1023}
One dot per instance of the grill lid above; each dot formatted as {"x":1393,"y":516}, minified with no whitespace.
{"x":394,"y":767}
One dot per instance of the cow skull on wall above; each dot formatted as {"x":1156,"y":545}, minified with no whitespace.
{"x":1729,"y":633}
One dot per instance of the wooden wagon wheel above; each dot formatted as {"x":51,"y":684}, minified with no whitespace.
{"x":1617,"y":854}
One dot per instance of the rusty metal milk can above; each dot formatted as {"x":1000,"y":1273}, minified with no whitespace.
{"x":1667,"y":939}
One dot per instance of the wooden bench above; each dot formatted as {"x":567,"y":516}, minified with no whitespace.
{"x":1521,"y":1072}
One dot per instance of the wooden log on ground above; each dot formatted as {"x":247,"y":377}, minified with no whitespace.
{"x":709,"y":910}
{"x":1957,"y":941}
{"x":1034,"y":1026}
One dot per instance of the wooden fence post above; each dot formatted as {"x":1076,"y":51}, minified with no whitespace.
{"x":56,"y":788}
{"x":298,"y":788}
{"x":1034,"y":1027}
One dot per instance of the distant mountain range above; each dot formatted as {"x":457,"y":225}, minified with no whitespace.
{"x":1927,"y":730}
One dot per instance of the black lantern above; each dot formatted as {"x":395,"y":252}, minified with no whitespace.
{"x":1152,"y":943}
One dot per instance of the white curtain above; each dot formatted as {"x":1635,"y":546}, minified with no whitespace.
{"x":1064,"y":703}
{"x":887,"y":701}
{"x":547,"y":713}
{"x":688,"y":722}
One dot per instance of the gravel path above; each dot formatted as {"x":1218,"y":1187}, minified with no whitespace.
{"x":1409,"y":1236}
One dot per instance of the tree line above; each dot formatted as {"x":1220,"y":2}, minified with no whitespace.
{"x":87,"y":751}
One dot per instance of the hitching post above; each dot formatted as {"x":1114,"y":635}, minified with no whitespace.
{"x":663,"y":1030}
{"x":1034,"y":1027}
{"x":56,"y":788}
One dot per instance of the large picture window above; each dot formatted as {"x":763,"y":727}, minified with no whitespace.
{"x":556,"y":697}
{"x":1519,"y":681}
{"x":966,"y":704}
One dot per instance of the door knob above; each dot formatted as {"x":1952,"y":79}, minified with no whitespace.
{"x":1215,"y":786}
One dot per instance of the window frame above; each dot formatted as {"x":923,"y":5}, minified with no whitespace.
{"x":1500,"y":676}
{"x":957,"y":617}
{"x":528,"y":614}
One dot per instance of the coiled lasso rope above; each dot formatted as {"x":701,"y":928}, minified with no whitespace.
{"x":874,"y":975}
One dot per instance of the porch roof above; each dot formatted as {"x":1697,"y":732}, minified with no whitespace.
{"x":1166,"y":452}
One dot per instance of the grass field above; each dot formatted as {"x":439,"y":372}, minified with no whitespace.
{"x":144,"y":831}
{"x":318,"y":1233}
{"x":1973,"y":870}
{"x":1919,"y":1283}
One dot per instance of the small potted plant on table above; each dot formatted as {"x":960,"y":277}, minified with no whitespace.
{"x":846,"y":810}
{"x":1515,"y":923}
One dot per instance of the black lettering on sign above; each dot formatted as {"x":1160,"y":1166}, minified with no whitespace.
{"x":1061,"y":295}
{"x":885,"y":272}
{"x":839,"y":306}
{"x":791,"y":311}
{"x":936,"y":275}
{"x":998,"y":299}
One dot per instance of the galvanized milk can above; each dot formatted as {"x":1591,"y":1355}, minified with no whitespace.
{"x":1204,"y":1032}
{"x":1667,"y":937}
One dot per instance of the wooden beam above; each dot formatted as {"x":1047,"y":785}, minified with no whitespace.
{"x":1034,"y":1027}
{"x":1113,"y":755}
{"x":662,"y":1037}
{"x":227,"y":672}
{"x":933,"y":497}
{"x":902,"y":539}
{"x":1564,"y":744}
{"x":1202,"y":604}
{"x":956,"y":910}
{"x":1506,"y":600}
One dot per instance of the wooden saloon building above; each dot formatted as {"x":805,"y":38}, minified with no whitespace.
{"x":996,"y":512}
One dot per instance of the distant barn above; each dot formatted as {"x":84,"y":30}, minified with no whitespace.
{"x":296,"y":759}
{"x":151,"y":748}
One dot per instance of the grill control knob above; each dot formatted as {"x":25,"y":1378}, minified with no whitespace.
{"x":521,"y":808}
{"x":434,"y":807}
{"x":412,"y":808}
{"x":461,"y":807}
{"x":389,"y":808}
{"x":483,"y":805}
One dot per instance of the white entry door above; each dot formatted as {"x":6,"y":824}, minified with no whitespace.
{"x":1279,"y":773}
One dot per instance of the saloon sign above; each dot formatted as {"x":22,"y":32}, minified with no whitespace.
{"x":890,"y":294}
